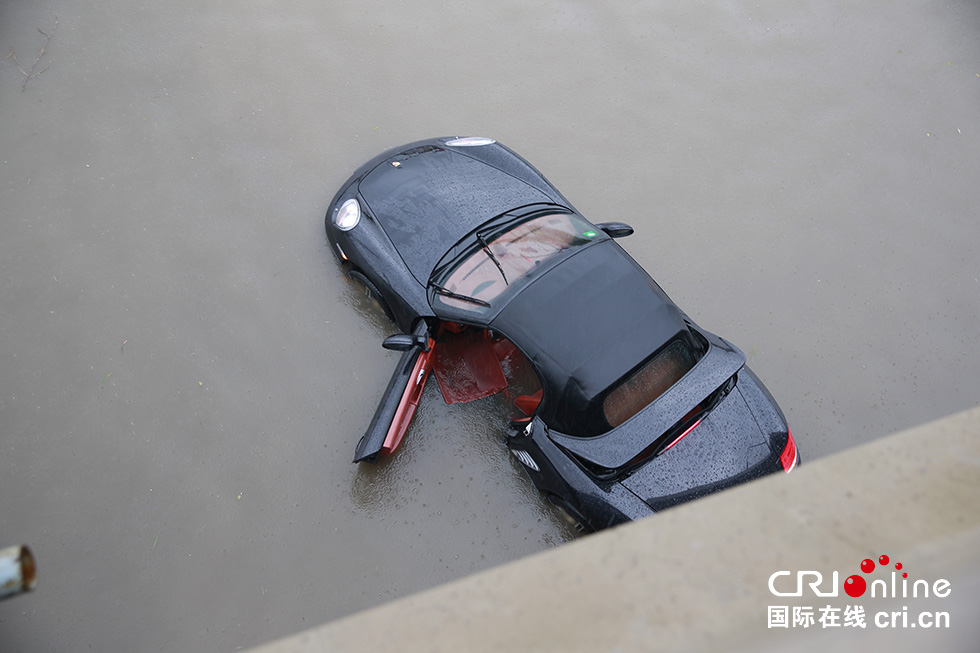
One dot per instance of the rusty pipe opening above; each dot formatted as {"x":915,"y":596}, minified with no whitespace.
{"x":18,"y":571}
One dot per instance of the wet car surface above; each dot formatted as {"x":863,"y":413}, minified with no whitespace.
{"x":512,"y":274}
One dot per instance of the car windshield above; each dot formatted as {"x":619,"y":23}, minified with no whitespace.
{"x":499,"y":259}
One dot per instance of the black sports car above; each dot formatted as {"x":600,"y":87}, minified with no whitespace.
{"x":622,"y":405}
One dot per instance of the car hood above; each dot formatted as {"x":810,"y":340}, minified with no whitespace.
{"x":428,"y":197}
{"x":726,"y":448}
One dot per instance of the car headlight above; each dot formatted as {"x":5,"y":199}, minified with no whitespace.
{"x":470,"y":141}
{"x":348,"y":215}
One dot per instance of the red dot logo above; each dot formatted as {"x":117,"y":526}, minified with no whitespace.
{"x":855,"y":585}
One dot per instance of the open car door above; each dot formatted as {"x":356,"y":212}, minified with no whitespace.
{"x":469,"y":363}
{"x":401,"y":397}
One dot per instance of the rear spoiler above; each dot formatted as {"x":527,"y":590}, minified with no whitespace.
{"x":616,"y":448}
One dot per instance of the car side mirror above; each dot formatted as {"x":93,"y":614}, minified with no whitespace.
{"x":616,"y":229}
{"x":404,"y":342}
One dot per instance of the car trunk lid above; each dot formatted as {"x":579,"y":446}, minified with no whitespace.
{"x":726,"y":445}
{"x":618,"y":447}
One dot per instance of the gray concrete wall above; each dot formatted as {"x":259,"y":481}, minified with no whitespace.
{"x":697,"y":577}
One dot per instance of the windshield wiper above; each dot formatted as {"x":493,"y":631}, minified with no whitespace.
{"x":486,"y":248}
{"x":449,"y":293}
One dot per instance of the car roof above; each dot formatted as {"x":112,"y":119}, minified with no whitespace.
{"x":436,"y":195}
{"x":585,"y":324}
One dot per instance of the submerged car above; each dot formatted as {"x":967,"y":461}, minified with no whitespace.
{"x":622,"y":405}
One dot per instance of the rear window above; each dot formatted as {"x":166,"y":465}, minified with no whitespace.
{"x":647,"y":383}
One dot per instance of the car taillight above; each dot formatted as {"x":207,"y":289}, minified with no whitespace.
{"x":788,"y":457}
{"x":681,"y":436}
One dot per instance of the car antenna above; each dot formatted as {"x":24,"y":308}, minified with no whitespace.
{"x":486,"y":248}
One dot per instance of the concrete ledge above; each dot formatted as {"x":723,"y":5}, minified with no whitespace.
{"x":696,"y":577}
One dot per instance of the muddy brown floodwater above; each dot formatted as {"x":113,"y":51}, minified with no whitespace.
{"x":184,"y":372}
